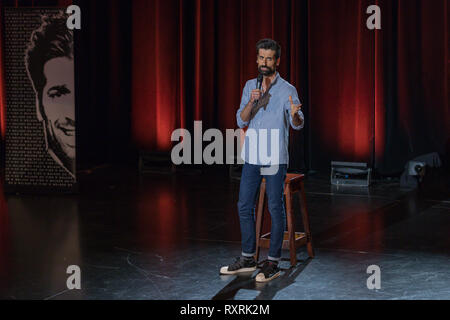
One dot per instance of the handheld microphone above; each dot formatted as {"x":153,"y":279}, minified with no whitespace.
{"x":259,"y":81}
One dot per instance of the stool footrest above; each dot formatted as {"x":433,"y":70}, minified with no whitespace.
{"x":300,"y":240}
{"x":291,"y":240}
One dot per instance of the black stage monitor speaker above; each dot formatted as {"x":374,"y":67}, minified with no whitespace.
{"x":355,"y":174}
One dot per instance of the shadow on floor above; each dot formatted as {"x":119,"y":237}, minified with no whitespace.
{"x":268,"y":290}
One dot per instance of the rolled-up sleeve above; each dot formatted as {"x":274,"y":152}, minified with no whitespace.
{"x":300,"y":113}
{"x":296,"y":100}
{"x":244,"y":100}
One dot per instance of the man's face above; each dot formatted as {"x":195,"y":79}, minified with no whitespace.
{"x":58,"y":103}
{"x":267,"y":63}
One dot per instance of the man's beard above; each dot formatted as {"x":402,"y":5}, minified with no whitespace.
{"x":266,"y":72}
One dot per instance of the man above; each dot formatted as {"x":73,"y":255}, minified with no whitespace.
{"x":50,"y":67}
{"x":273,"y":108}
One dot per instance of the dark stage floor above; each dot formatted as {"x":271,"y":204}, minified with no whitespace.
{"x":166,"y":237}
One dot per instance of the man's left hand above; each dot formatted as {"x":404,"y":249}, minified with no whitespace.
{"x":294,"y":107}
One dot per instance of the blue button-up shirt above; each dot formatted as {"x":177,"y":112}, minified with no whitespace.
{"x":276,"y":116}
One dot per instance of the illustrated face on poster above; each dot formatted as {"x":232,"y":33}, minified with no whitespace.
{"x":50,"y":67}
{"x":58,"y":102}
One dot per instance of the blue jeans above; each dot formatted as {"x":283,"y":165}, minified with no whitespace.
{"x":248,"y":193}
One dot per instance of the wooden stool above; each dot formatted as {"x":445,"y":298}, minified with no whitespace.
{"x":292,"y":240}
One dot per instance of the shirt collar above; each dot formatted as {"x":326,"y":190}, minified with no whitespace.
{"x":276,"y":78}
{"x":274,"y":81}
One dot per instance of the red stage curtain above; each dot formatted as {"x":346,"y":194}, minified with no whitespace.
{"x":412,"y":109}
{"x":372,"y":95}
{"x":192,"y":58}
{"x":341,"y":51}
{"x":375,"y":96}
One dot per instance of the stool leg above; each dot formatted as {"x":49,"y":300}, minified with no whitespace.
{"x":305,"y":217}
{"x":259,"y":217}
{"x":291,"y":228}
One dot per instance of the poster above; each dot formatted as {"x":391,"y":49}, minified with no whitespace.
{"x":40,"y":144}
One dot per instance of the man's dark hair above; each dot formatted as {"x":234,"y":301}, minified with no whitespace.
{"x":52,"y":40}
{"x":269,"y":44}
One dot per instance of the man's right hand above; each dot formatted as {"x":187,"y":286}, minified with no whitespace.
{"x":246,"y":113}
{"x":256,"y":94}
